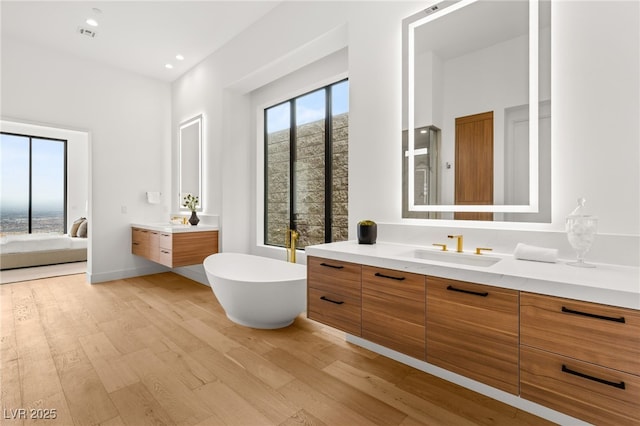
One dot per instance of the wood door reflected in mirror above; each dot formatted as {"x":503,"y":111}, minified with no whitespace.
{"x":474,"y":164}
{"x":501,"y":62}
{"x":190,"y":162}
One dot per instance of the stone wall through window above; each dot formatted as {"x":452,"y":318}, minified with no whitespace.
{"x":309,"y":174}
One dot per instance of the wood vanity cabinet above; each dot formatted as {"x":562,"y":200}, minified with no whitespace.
{"x":581,"y":358}
{"x":334,"y":294}
{"x":472,"y":330}
{"x":393,"y":310}
{"x":174,"y":249}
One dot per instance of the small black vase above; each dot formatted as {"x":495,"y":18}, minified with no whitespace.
{"x":193,"y":220}
{"x":367,"y":234}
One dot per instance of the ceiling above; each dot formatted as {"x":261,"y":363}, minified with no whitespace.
{"x":138,"y":36}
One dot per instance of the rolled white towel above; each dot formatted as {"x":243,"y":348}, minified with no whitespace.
{"x":538,"y":254}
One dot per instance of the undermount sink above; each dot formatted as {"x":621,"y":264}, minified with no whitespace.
{"x":454,"y":257}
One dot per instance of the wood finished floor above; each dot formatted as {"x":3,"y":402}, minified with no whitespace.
{"x":158,"y":350}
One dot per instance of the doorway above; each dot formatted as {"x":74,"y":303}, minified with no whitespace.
{"x":48,"y":251}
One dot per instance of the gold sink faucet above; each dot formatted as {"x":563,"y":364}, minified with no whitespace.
{"x":459,"y":245}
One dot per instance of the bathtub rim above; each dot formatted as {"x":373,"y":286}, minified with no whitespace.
{"x":224,"y":272}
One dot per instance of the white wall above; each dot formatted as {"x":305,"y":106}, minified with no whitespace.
{"x":596,"y":82}
{"x":128,"y":119}
{"x":595,"y":110}
{"x":220,"y":88}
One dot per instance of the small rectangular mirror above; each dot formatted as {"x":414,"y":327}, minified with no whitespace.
{"x":190,"y":162}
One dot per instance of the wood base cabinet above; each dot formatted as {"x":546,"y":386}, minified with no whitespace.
{"x":334,"y":294}
{"x":174,"y":249}
{"x":393,"y":310}
{"x":581,"y":358}
{"x":472,"y":330}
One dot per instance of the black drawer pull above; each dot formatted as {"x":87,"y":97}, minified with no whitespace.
{"x":378,"y":274}
{"x":587,"y":314}
{"x":332,"y":301}
{"x":475,"y":293}
{"x":619,"y":385}
{"x":332,"y":266}
{"x":135,"y":244}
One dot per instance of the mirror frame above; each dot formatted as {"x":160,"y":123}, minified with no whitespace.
{"x":435,"y":11}
{"x":197,"y":120}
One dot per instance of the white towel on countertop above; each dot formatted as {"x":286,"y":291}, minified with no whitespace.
{"x":538,"y":254}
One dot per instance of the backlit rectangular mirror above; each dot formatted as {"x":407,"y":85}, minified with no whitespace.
{"x":471,"y":70}
{"x":190,"y":162}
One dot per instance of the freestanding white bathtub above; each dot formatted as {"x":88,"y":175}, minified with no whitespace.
{"x":255,"y":291}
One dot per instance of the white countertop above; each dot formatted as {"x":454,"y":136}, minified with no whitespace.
{"x":608,"y":284}
{"x":174,"y":228}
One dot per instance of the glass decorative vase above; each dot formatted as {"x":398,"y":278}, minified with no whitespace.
{"x":581,"y":231}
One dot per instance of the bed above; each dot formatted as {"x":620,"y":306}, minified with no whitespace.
{"x":24,"y":250}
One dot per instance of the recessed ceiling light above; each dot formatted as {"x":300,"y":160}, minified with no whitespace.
{"x":179,"y":57}
{"x":169,"y":66}
{"x":92,"y":22}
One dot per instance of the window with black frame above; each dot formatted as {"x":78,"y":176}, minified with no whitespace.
{"x":306,"y":167}
{"x":33,"y":195}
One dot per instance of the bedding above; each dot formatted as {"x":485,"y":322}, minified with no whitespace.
{"x":19,"y":251}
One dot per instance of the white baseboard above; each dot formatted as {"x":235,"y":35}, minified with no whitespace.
{"x":100,"y":277}
{"x":195,"y":273}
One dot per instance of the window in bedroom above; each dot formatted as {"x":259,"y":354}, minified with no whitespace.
{"x":306,"y":173}
{"x":33,"y":184}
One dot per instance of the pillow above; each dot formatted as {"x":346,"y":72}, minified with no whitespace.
{"x":82,"y":229}
{"x":75,"y":226}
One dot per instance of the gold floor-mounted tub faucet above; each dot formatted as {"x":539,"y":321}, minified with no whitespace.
{"x":290,"y":243}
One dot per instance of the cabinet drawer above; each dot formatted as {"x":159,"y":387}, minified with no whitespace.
{"x":165,"y":257}
{"x":337,"y":310}
{"x":393,"y":310}
{"x":394,"y":293}
{"x":472,"y":330}
{"x":595,"y":394}
{"x":139,"y":235}
{"x":600,"y":334}
{"x":166,"y":241}
{"x":334,"y":276}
